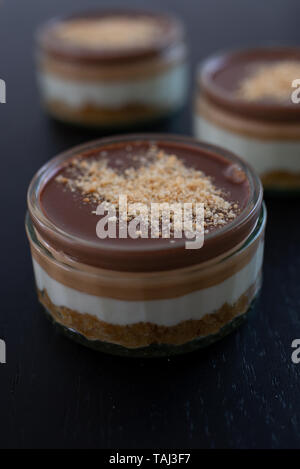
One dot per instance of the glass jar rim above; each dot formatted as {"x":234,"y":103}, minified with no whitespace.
{"x":243,"y":224}
{"x":172,"y":33}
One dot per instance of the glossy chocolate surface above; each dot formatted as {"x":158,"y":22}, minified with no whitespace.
{"x":67,"y":212}
{"x":221,"y":75}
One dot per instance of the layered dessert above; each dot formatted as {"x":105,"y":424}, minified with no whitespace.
{"x":144,"y":292}
{"x":112,"y":67}
{"x":247,"y":102}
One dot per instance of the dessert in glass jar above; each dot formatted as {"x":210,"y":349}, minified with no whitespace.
{"x":146,"y":292}
{"x":112,"y":68}
{"x":247,"y":101}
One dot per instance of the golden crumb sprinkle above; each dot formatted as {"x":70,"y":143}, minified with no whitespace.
{"x":109,"y":32}
{"x":159,"y":178}
{"x":270,"y":81}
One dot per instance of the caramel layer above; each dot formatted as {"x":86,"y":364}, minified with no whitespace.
{"x":94,"y":115}
{"x":104,"y":73}
{"x":142,"y":286}
{"x":143,"y":334}
{"x":249,"y":127}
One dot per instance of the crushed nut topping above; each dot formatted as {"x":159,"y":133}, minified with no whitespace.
{"x":159,"y":178}
{"x":109,"y":32}
{"x":270,"y":81}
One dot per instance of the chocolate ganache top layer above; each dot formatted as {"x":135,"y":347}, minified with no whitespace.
{"x":255,"y":83}
{"x":63,"y":202}
{"x":110,"y":36}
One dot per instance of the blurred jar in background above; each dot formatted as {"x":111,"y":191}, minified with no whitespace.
{"x":245,"y":103}
{"x":112,"y":68}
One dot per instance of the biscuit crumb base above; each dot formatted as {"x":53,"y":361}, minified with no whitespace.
{"x":144,"y":334}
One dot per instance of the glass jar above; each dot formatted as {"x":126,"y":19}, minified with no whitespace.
{"x":231,"y":110}
{"x":109,"y":69}
{"x":133,"y":308}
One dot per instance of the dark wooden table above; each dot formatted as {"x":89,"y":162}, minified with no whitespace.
{"x":243,"y":392}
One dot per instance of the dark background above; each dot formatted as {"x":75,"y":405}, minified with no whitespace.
{"x":243,"y":392}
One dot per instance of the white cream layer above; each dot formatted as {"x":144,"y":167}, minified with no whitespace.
{"x":167,"y":312}
{"x":263,"y":155}
{"x":164,"y":90}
